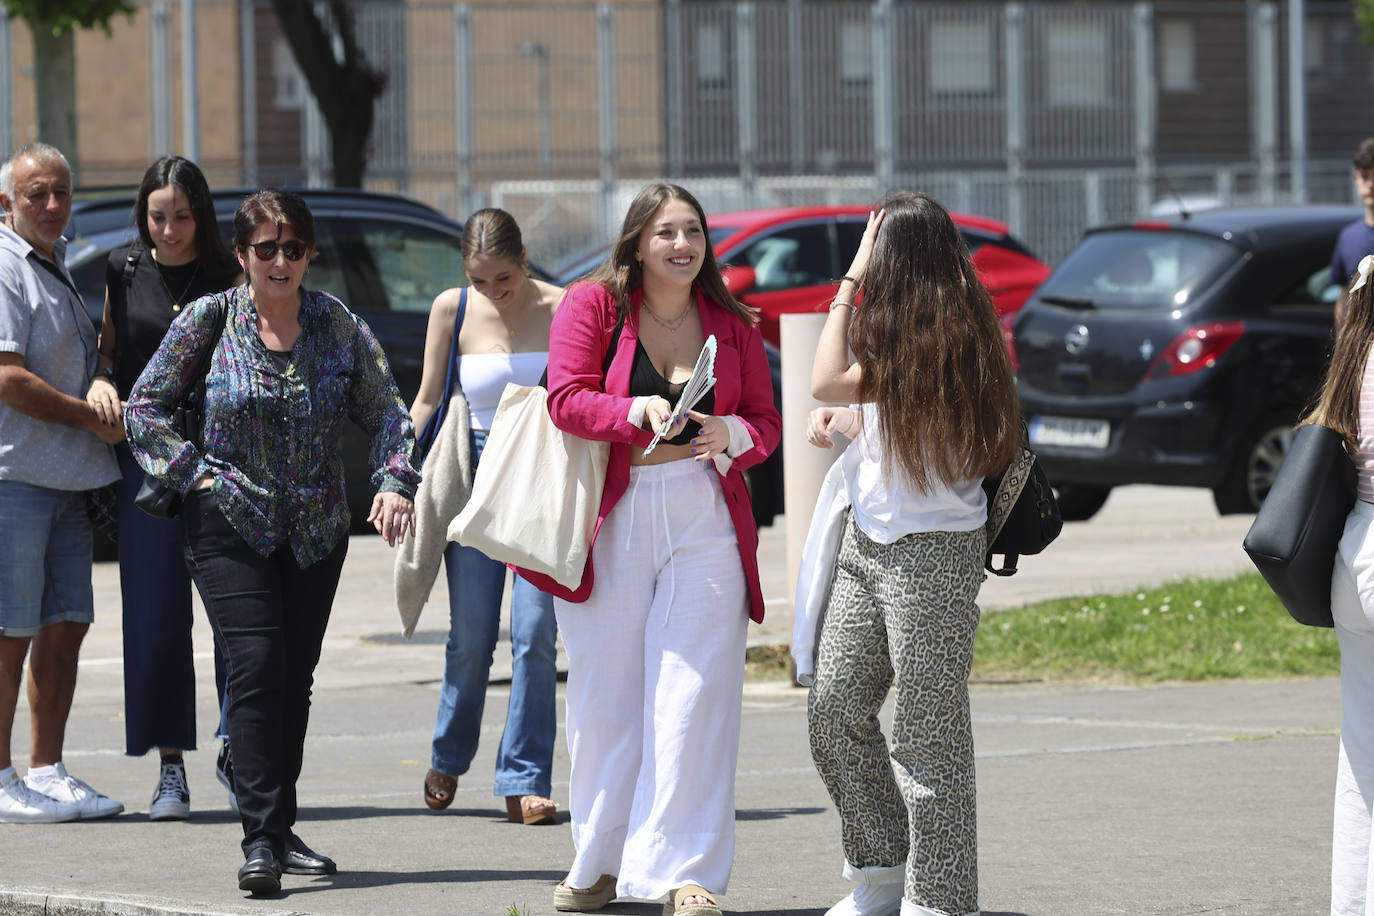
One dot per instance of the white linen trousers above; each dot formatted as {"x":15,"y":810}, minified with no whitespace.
{"x":655,"y":681}
{"x":1352,"y":609}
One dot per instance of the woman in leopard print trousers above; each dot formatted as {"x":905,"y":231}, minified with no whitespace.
{"x":934,"y":411}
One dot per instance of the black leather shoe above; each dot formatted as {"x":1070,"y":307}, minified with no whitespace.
{"x":261,"y":873}
{"x":302,"y":860}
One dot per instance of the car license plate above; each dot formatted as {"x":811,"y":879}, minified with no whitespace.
{"x":1069,"y":431}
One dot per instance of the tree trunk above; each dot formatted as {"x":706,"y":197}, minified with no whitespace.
{"x":55,"y":90}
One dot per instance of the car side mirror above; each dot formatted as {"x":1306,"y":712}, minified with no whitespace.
{"x":739,"y":280}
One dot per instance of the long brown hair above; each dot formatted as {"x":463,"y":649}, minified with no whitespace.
{"x":931,"y":351}
{"x":621,"y":273}
{"x":1338,"y":405}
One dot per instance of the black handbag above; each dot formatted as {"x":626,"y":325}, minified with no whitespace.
{"x":154,"y":496}
{"x":1023,"y":515}
{"x":1294,"y":536}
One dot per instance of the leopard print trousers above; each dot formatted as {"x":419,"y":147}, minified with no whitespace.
{"x":903,"y":611}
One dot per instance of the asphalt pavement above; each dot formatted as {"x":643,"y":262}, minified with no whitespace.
{"x":1173,"y":799}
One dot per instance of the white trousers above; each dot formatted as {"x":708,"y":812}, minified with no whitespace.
{"x":1352,"y":609}
{"x":655,"y":679}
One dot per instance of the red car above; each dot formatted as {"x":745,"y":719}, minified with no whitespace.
{"x":787,"y":259}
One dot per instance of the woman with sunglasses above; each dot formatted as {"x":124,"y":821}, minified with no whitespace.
{"x":178,"y":257}
{"x":265,"y":520}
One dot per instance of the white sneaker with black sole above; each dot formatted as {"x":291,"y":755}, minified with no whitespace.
{"x":58,"y":784}
{"x":21,"y":805}
{"x":172,"y":798}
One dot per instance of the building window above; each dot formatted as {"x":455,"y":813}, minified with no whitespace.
{"x":287,"y":80}
{"x":856,"y":54}
{"x":1076,"y":70}
{"x":961,"y":58}
{"x":712,"y":57}
{"x":1177,"y":55}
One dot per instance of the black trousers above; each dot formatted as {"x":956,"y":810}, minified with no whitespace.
{"x":268,"y":615}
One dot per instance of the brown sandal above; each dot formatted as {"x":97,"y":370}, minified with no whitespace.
{"x":530,"y":809}
{"x":439,"y":789}
{"x":676,"y":907}
{"x":584,"y":899}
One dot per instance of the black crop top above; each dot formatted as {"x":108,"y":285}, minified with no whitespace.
{"x":646,"y":380}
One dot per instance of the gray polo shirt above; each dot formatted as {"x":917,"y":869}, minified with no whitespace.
{"x":43,"y":319}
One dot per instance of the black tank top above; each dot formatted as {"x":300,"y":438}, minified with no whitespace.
{"x":646,"y":380}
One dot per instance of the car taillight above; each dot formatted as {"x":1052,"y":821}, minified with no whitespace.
{"x":1007,"y":321}
{"x":1196,"y":348}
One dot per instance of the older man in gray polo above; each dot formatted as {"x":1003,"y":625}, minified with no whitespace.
{"x":53,"y":447}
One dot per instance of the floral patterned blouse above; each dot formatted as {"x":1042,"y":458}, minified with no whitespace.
{"x":271,"y":432}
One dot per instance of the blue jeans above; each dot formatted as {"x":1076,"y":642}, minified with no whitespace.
{"x":45,"y":558}
{"x":524,"y":762}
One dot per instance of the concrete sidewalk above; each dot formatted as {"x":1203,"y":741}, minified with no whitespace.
{"x":1172,"y":799}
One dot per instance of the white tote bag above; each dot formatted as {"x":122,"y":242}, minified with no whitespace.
{"x":537,"y":491}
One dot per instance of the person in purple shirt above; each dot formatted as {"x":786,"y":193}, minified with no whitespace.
{"x":1357,"y":239}
{"x":265,"y":520}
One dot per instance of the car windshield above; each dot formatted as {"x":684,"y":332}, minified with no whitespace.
{"x":1137,"y":269}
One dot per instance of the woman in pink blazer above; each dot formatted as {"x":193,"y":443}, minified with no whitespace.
{"x":655,"y":631}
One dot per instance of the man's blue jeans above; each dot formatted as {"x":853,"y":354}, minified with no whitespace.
{"x":524,"y":761}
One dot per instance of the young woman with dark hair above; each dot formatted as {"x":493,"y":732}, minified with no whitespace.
{"x":933,"y":411}
{"x":656,"y":642}
{"x":180,"y":256}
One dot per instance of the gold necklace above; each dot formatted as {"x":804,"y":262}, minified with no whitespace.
{"x":670,"y":325}
{"x":176,"y":300}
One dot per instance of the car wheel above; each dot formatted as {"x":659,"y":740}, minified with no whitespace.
{"x":1080,"y":502}
{"x":1256,"y":466}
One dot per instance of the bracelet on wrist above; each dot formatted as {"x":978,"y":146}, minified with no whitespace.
{"x":840,"y":303}
{"x":850,"y":279}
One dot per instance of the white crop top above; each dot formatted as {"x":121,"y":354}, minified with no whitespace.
{"x":1364,"y":453}
{"x":483,"y":376}
{"x":888,"y":507}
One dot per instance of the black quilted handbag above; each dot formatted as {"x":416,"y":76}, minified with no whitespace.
{"x":1023,"y":515}
{"x":1294,"y":536}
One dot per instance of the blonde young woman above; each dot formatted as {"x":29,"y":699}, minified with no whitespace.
{"x":934,"y":411}
{"x":504,"y":337}
{"x":655,"y":637}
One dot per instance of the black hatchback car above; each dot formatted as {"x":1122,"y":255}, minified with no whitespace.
{"x":1178,"y":352}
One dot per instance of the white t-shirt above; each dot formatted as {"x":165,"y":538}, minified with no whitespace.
{"x":483,"y":376}
{"x":888,"y":507}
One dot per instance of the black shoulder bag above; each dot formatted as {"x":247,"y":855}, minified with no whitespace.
{"x":1023,"y":515}
{"x":154,"y":496}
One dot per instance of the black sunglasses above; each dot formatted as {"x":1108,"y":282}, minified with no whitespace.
{"x":267,"y":251}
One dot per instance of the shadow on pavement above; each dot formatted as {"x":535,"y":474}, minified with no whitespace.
{"x":355,"y":880}
{"x":773,"y":814}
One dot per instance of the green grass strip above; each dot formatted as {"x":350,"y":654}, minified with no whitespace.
{"x":1187,"y":630}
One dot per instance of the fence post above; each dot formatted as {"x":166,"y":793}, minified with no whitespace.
{"x":248,"y":78}
{"x":1014,"y":92}
{"x":796,"y":85}
{"x":190,"y":90}
{"x":463,"y":120}
{"x":1092,"y":198}
{"x":884,"y":98}
{"x":161,"y":101}
{"x":606,"y":102}
{"x":1297,"y":98}
{"x":746,"y":99}
{"x":1142,"y":29}
{"x":1265,"y":99}
{"x":6,"y":84}
{"x":672,"y":48}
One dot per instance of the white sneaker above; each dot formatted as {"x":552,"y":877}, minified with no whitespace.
{"x":72,"y":791}
{"x":21,"y":805}
{"x":171,"y":799}
{"x":870,"y":900}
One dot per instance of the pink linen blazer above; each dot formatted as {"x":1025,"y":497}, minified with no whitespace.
{"x":583,"y":403}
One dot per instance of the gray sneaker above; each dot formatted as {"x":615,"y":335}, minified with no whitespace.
{"x":171,"y":799}
{"x":21,"y":805}
{"x":72,"y":791}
